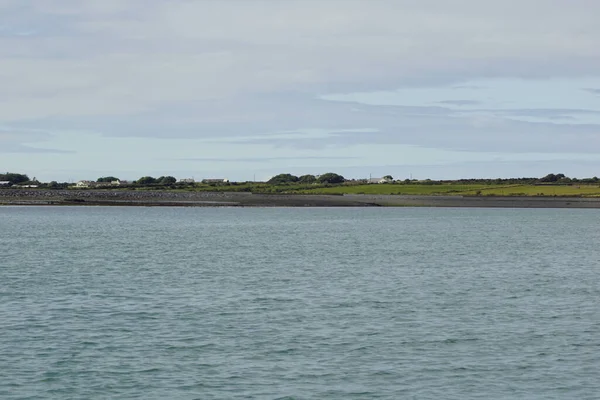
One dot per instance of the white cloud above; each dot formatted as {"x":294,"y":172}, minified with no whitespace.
{"x":207,"y":49}
{"x":240,"y":68}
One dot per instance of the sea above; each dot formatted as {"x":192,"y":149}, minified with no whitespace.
{"x":299,"y":303}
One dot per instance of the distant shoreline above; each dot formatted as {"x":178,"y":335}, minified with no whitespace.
{"x":235,"y":199}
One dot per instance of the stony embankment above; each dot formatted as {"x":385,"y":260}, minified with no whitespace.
{"x":212,"y":199}
{"x":170,"y":198}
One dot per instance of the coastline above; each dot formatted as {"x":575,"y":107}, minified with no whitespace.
{"x":19,"y":197}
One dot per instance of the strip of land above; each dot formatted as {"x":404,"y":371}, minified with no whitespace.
{"x":241,"y":199}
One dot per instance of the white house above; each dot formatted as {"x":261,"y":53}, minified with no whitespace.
{"x":120,"y":182}
{"x":85,"y":184}
{"x":187,"y":180}
{"x":224,"y":180}
{"x":379,"y":180}
{"x":4,"y":183}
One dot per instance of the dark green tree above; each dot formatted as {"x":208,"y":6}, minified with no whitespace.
{"x":331,"y":177}
{"x":166,"y":180}
{"x":307,"y":179}
{"x":282,"y":179}
{"x":552,"y":178}
{"x":107,"y":179}
{"x":13,"y":178}
{"x":146,"y":180}
{"x":388,"y":177}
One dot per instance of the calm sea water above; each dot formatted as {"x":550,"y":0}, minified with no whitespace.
{"x":189,"y":303}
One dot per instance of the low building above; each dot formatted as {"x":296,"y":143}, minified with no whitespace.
{"x":85,"y":184}
{"x":212,"y":180}
{"x":120,"y":182}
{"x":379,"y":180}
{"x":187,"y":180}
{"x":4,"y":183}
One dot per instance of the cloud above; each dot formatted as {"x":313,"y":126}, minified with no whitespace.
{"x":26,"y":141}
{"x":471,"y":135}
{"x":459,"y":102}
{"x":247,"y":71}
{"x":265,"y":159}
{"x":592,"y":90}
{"x":19,"y":148}
{"x":548,"y":114}
{"x":302,"y":122}
{"x":125,"y":57}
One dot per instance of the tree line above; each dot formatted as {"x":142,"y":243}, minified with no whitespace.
{"x":144,"y":180}
{"x":14,"y":179}
{"x":329,"y":177}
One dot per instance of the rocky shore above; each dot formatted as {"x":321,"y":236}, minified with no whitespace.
{"x":170,"y":198}
{"x":231,"y":199}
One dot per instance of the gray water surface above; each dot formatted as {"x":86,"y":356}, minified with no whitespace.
{"x":227,"y":303}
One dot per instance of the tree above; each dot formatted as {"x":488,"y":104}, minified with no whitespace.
{"x":388,"y":178}
{"x":282,"y":179}
{"x":331,"y":177}
{"x":552,"y":178}
{"x":107,"y":179}
{"x":13,"y":178}
{"x":307,"y":179}
{"x":166,"y":180}
{"x":146,"y":180}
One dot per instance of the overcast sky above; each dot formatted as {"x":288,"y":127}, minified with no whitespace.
{"x":244,"y":88}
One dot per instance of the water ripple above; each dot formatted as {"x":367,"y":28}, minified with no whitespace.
{"x":299,"y":304}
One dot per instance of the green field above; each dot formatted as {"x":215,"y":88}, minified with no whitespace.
{"x":446,"y":189}
{"x":539,"y":190}
{"x":425,"y":189}
{"x":461,"y":190}
{"x":414,"y":189}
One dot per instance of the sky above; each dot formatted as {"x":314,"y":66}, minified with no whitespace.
{"x":246,"y":89}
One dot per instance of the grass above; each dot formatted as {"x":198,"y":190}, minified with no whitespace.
{"x":539,"y":190}
{"x":582,"y":190}
{"x":446,"y":189}
{"x":408,"y":189}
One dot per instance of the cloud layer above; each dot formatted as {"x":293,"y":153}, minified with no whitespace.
{"x":312,"y":78}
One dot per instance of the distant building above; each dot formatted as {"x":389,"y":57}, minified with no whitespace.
{"x":4,"y":183}
{"x":187,"y":180}
{"x":215,"y":180}
{"x":120,"y":182}
{"x":93,"y":184}
{"x":379,"y":180}
{"x":85,"y":184}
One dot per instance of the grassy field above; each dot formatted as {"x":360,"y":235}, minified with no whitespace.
{"x":446,"y":189}
{"x":414,"y":189}
{"x":462,"y":190}
{"x":539,"y":190}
